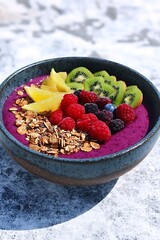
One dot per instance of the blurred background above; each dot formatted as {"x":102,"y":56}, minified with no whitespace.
{"x":123,"y":31}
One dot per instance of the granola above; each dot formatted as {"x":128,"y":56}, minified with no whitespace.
{"x":46,"y":138}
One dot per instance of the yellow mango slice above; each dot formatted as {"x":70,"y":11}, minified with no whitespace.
{"x":37,"y":94}
{"x":63,"y":75}
{"x":55,"y":78}
{"x":50,"y":104}
{"x":48,"y":82}
{"x":49,"y":88}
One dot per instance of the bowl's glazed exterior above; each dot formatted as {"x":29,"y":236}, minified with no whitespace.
{"x":82,"y":171}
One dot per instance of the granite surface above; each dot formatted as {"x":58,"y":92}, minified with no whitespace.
{"x":124,"y":31}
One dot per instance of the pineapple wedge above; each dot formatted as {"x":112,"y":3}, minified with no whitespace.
{"x":37,"y":94}
{"x":49,"y":104}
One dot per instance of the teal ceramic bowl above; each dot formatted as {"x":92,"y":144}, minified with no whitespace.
{"x":88,"y":171}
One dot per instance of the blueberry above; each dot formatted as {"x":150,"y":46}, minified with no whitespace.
{"x":110,"y":107}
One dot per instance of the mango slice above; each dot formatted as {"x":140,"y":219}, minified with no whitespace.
{"x":63,"y":75}
{"x":49,"y":88}
{"x":37,"y":94}
{"x":50,"y":104}
{"x":56,"y":79}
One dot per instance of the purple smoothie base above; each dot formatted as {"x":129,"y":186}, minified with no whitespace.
{"x":130,"y":135}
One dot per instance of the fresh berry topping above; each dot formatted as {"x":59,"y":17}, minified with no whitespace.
{"x":75,"y":111}
{"x":68,"y":99}
{"x":88,"y":97}
{"x":102,"y":101}
{"x":105,"y":116}
{"x":116,"y":125}
{"x":56,"y":116}
{"x":77,"y":92}
{"x":110,"y":107}
{"x":125,"y":112}
{"x":85,"y":122}
{"x":67,"y":123}
{"x":99,"y":131}
{"x":91,"y":116}
{"x":91,"y":108}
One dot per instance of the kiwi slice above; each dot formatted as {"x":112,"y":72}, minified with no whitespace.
{"x":94,"y":84}
{"x":120,"y":88}
{"x":133,"y":96}
{"x":78,"y":75}
{"x":75,"y":86}
{"x":102,"y":73}
{"x":107,"y":91}
{"x":107,"y":78}
{"x":110,"y":80}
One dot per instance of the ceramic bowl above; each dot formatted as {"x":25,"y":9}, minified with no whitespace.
{"x":82,"y":171}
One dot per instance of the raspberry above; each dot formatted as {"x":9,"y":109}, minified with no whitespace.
{"x":67,"y":123}
{"x":116,"y":125}
{"x":125,"y":112}
{"x":68,"y":99}
{"x":102,"y":101}
{"x":91,"y":116}
{"x":85,"y":122}
{"x":105,"y":116}
{"x":99,"y":131}
{"x":56,"y":116}
{"x":88,"y":97}
{"x":75,"y":111}
{"x":91,"y":108}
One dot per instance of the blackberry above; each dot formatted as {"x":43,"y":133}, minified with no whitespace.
{"x":77,"y":92}
{"x":116,"y":125}
{"x":91,"y":108}
{"x":105,"y":116}
{"x":102,"y":101}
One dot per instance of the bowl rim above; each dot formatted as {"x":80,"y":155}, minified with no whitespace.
{"x":80,"y":160}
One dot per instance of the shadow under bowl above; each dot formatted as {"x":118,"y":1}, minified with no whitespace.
{"x":88,"y":171}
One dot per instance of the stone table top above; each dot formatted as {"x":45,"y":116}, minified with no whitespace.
{"x":123,"y":31}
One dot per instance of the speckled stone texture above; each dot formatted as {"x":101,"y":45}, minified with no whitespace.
{"x":122,"y":31}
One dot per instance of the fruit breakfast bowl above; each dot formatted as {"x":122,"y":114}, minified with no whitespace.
{"x":91,"y":166}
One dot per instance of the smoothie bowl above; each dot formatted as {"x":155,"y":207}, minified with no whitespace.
{"x":78,"y":120}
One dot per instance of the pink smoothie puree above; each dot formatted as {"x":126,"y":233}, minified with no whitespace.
{"x":131,"y":134}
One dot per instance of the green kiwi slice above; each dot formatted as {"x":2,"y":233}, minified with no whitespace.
{"x":94,"y":84}
{"x":78,"y":75}
{"x":107,"y":91}
{"x":102,"y":73}
{"x":133,"y":96}
{"x":107,"y":78}
{"x":120,"y":88}
{"x":75,"y":86}
{"x":110,"y":79}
